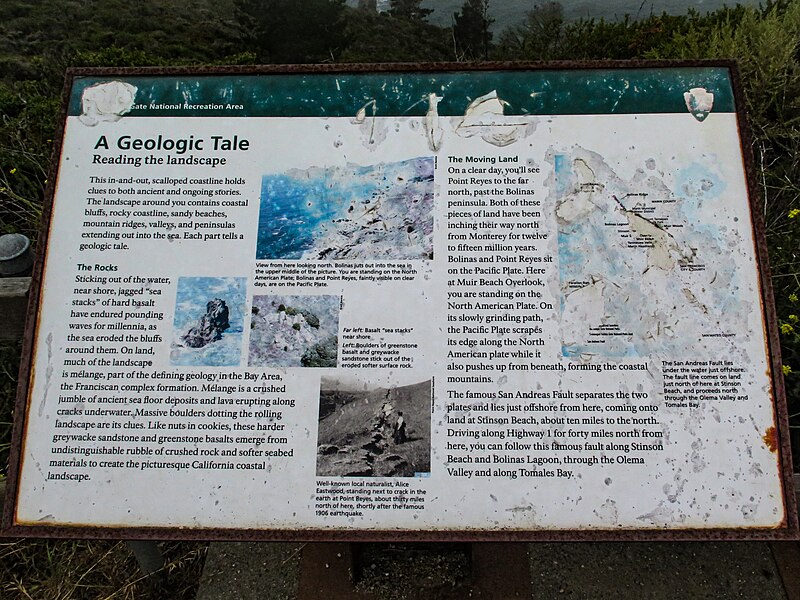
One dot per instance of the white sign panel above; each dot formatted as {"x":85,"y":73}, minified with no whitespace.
{"x":493,"y":301}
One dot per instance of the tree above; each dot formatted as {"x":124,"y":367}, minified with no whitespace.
{"x":287,"y":31}
{"x":163,"y":28}
{"x":539,"y":37}
{"x":380,"y":37}
{"x":409,"y":10}
{"x":471,"y":34}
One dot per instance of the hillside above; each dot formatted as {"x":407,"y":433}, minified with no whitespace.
{"x":507,"y":13}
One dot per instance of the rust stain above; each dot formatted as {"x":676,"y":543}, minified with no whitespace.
{"x":771,"y":439}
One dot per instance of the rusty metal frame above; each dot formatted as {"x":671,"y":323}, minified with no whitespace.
{"x":789,"y":528}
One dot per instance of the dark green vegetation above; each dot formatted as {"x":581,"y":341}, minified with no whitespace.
{"x":39,"y":39}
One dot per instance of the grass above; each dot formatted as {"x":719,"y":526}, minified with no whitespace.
{"x":95,"y":570}
{"x":86,"y":569}
{"x":9,"y":367}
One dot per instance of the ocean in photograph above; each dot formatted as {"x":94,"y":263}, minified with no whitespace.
{"x":208,"y":322}
{"x":373,"y":212}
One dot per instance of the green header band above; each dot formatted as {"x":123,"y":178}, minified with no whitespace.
{"x":550,"y":92}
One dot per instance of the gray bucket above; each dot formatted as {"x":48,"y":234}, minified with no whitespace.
{"x":16,"y":257}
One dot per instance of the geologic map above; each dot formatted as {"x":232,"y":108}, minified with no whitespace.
{"x":639,"y":272}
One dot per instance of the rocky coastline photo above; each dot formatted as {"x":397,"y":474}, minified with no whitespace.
{"x":294,"y":331}
{"x":374,"y":212}
{"x":209,"y":321}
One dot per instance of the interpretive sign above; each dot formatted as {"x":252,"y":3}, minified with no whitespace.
{"x":505,"y":302}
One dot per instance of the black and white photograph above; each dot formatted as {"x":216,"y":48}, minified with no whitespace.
{"x":371,"y":429}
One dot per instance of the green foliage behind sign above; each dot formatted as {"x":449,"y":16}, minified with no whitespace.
{"x":38,"y":40}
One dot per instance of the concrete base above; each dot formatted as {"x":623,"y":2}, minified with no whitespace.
{"x":609,"y":570}
{"x":251,"y":571}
